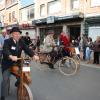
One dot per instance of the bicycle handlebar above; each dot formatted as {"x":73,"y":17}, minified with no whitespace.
{"x":21,"y":58}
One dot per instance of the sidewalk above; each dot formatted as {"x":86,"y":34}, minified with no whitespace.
{"x":84,"y":63}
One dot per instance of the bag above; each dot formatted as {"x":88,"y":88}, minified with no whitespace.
{"x":77,"y":50}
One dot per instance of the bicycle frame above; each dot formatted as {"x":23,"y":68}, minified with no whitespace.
{"x":45,"y":56}
{"x":25,"y":80}
{"x":67,"y":65}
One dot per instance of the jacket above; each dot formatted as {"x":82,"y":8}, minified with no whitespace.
{"x":48,"y":44}
{"x":10,"y":48}
{"x":96,"y":46}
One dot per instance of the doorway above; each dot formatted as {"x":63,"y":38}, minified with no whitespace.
{"x":74,"y":32}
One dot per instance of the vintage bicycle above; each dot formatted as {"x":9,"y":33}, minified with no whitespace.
{"x":23,"y":89}
{"x":67,"y":65}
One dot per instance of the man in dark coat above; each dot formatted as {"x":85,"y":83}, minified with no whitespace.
{"x":11,"y":51}
{"x":27,"y":39}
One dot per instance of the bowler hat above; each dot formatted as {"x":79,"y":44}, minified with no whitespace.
{"x":15,"y":29}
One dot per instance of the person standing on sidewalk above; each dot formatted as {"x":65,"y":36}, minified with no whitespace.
{"x":96,"y":49}
{"x":38,"y":44}
{"x":3,"y":37}
{"x":27,"y":39}
{"x":84,"y":45}
{"x":89,"y":49}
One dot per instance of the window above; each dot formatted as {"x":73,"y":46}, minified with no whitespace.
{"x":13,"y":1}
{"x":13,"y":15}
{"x":74,"y":4}
{"x":54,"y":6}
{"x":42,"y":10}
{"x":28,"y":14}
{"x":1,"y":17}
{"x":24,"y":14}
{"x":9,"y":17}
{"x":95,"y":3}
{"x":8,"y":2}
{"x":20,"y":15}
{"x":31,"y":13}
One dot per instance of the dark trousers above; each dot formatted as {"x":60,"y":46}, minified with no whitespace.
{"x":53,"y":55}
{"x":84,"y":53}
{"x":96,"y":57}
{"x":5,"y":84}
{"x":0,"y":56}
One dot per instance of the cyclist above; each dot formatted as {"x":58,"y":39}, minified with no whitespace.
{"x":11,"y":51}
{"x":49,"y":45}
{"x":65,"y":41}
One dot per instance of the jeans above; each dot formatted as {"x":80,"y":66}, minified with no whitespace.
{"x":88,"y":53}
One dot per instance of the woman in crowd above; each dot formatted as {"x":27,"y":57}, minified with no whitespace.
{"x":89,"y":49}
{"x":96,"y":49}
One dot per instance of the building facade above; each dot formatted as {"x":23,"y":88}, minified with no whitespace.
{"x":13,"y":13}
{"x":2,"y":14}
{"x":25,"y":20}
{"x":92,"y":18}
{"x":70,"y":16}
{"x":9,"y":13}
{"x":75,"y":17}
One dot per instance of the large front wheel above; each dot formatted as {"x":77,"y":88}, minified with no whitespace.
{"x":24,"y":93}
{"x":68,"y":66}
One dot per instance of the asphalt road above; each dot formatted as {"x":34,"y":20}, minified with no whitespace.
{"x":48,"y":84}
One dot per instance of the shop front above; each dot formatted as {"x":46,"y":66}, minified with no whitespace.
{"x":93,"y":27}
{"x":70,"y":24}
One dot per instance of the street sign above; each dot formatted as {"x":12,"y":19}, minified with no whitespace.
{"x":50,"y":19}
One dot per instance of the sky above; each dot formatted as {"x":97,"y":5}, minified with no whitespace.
{"x":26,"y":2}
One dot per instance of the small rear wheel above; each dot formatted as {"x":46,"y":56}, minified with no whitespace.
{"x":67,"y":66}
{"x":24,"y":93}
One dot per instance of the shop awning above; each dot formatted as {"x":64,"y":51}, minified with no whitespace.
{"x":54,"y":19}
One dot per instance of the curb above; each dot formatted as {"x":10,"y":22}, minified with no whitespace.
{"x":90,"y":65}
